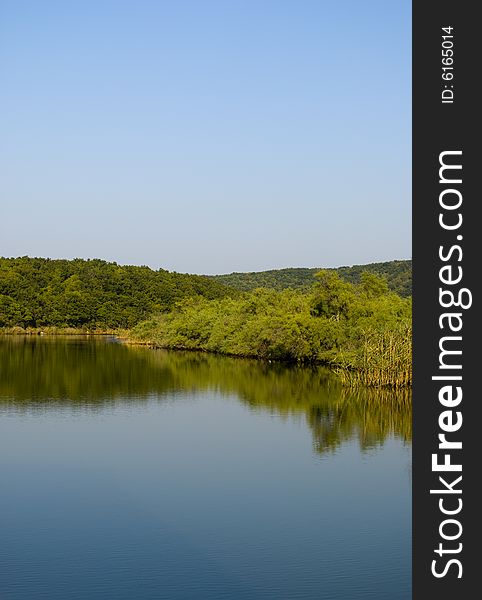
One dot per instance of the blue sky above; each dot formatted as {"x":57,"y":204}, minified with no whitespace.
{"x":206,"y":136}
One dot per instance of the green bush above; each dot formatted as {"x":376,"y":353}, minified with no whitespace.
{"x":356,"y":328}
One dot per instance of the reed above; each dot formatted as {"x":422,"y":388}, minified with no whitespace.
{"x":384,"y":359}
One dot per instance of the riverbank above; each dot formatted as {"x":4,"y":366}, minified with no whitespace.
{"x":370,"y":375}
{"x":53,"y":330}
{"x":366,"y":340}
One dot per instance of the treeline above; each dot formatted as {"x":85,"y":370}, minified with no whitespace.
{"x":398,"y":274}
{"x":95,"y":294}
{"x":363,"y":330}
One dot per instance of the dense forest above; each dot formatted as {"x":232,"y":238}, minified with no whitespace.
{"x":398,"y":274}
{"x":38,"y":292}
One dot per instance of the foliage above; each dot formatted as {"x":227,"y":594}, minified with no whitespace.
{"x":37,"y":292}
{"x":397,"y":273}
{"x":355,"y":327}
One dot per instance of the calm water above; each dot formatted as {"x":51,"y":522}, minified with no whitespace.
{"x":129,"y":473}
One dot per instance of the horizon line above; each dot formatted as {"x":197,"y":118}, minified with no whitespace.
{"x":204,"y":274}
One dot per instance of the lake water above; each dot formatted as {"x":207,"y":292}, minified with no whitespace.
{"x":130,"y":473}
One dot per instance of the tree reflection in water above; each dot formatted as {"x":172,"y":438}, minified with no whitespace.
{"x":88,"y":373}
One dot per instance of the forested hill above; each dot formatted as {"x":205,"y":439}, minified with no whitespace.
{"x":36,"y":292}
{"x":95,"y":294}
{"x":398,"y":274}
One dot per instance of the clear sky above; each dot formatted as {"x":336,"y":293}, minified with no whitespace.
{"x":206,"y":136}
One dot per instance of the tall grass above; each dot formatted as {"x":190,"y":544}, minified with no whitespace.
{"x":384,"y":359}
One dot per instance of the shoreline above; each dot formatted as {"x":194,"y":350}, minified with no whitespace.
{"x":52,"y":330}
{"x":354,"y":378}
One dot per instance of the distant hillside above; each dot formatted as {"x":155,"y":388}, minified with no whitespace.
{"x":38,"y":292}
{"x":398,"y":274}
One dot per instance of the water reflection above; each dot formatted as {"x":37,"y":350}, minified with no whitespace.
{"x":36,"y":372}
